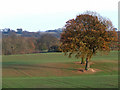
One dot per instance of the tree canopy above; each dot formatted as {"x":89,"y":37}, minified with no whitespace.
{"x":87,"y":34}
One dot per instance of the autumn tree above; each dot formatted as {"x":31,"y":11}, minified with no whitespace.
{"x":46,"y":41}
{"x":87,"y":34}
{"x":8,"y":44}
{"x":17,"y":45}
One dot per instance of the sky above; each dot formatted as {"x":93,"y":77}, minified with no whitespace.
{"x":42,"y":15}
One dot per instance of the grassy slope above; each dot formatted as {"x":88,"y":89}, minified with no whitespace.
{"x":93,"y":81}
{"x":107,"y":77}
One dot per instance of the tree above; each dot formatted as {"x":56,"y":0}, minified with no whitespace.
{"x":87,"y":34}
{"x":17,"y":45}
{"x":46,"y":41}
{"x":8,"y":44}
{"x":54,"y":48}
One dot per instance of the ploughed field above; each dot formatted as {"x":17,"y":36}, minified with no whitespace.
{"x":54,"y":70}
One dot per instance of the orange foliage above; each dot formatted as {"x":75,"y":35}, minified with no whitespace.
{"x":87,"y":34}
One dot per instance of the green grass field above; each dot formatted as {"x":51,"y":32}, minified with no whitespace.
{"x":54,"y":70}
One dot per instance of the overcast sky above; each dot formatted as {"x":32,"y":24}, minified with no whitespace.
{"x":35,"y":15}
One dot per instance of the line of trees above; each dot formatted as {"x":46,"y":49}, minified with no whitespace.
{"x":14,"y":44}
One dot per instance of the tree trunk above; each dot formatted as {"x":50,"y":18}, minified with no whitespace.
{"x":82,"y":61}
{"x":87,"y":66}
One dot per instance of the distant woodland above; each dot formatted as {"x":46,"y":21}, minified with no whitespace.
{"x":24,"y":42}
